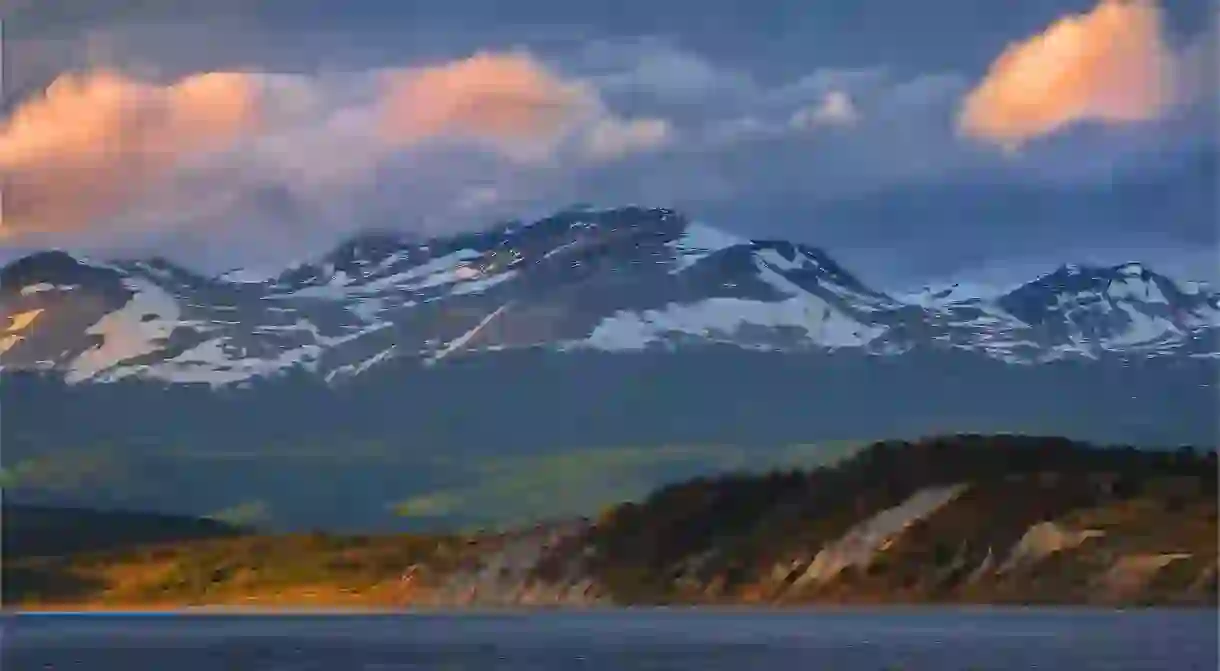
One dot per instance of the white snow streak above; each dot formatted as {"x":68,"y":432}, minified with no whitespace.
{"x":43,"y":286}
{"x":460,"y":341}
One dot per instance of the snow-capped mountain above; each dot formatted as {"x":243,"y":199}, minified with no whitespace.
{"x":611,"y":280}
{"x":393,"y":368}
{"x":1082,"y":311}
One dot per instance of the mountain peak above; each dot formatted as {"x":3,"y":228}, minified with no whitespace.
{"x":811,"y":263}
{"x":1073,"y":278}
{"x":1132,"y":269}
{"x":54,"y":266}
{"x":1127,"y":269}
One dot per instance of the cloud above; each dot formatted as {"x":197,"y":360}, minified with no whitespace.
{"x":663,"y":72}
{"x":93,"y":143}
{"x":613,"y":139}
{"x":1198,"y":70}
{"x":108,"y":153}
{"x":269,"y":164}
{"x":835,"y":109}
{"x":508,"y":99}
{"x":1111,"y":65}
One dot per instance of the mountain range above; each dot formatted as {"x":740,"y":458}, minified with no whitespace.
{"x":612,"y":280}
{"x":401,"y":366}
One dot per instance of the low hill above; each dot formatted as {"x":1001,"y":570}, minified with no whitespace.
{"x":978,"y":519}
{"x":44,"y":530}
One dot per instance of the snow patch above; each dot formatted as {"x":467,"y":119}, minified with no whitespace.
{"x":352,"y":370}
{"x":776,"y":260}
{"x":700,"y":241}
{"x":1143,"y":329}
{"x":43,"y":286}
{"x":560,"y":249}
{"x":1134,"y":288}
{"x":466,"y":272}
{"x":941,"y":295}
{"x":767,"y":273}
{"x":247,"y":276}
{"x":957,"y":290}
{"x":126,"y":333}
{"x":368,"y":309}
{"x":479,"y":286}
{"x":720,"y":319}
{"x":209,"y":363}
{"x":389,"y":262}
{"x":438,"y":271}
{"x":335,"y":287}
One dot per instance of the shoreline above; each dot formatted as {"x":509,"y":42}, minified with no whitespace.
{"x":154,"y":610}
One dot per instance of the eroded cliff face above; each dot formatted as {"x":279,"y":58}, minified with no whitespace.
{"x":931,"y":548}
{"x":508,"y":571}
{"x":885,"y":528}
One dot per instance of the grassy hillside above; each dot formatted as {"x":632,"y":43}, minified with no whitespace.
{"x":287,"y":570}
{"x":36,"y":539}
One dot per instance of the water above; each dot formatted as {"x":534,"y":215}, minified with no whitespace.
{"x":907,"y":639}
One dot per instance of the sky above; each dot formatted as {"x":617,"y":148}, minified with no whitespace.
{"x":915,"y":142}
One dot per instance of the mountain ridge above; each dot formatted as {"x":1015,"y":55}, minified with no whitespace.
{"x":624,"y":279}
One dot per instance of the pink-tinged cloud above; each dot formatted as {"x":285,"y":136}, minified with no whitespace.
{"x":94,"y":143}
{"x":106,"y":152}
{"x":1110,"y":65}
{"x":509,"y":99}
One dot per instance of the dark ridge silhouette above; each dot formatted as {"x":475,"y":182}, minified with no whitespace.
{"x":45,"y":530}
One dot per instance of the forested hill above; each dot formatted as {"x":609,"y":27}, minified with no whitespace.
{"x":965,"y":517}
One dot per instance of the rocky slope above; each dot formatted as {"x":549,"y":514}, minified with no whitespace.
{"x":961,"y":519}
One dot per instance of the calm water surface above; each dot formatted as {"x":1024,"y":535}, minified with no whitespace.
{"x":911,"y":640}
